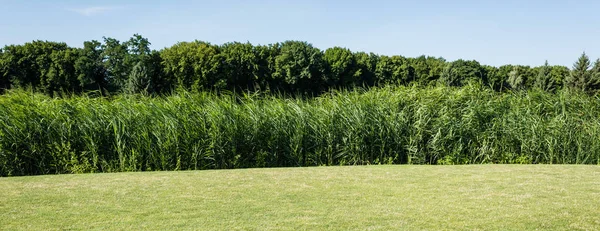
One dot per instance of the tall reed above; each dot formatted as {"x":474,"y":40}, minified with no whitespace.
{"x":392,"y":125}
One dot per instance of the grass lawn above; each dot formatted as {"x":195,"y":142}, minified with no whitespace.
{"x":472,"y":197}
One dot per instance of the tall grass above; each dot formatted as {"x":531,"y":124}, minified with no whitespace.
{"x":395,"y":125}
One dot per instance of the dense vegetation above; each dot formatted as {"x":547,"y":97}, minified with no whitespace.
{"x":400,"y":125}
{"x":112,"y":66}
{"x":228,"y":106}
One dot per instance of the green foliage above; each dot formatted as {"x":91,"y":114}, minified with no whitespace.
{"x":281,"y":68}
{"x":394,"y":70}
{"x":193,"y":65}
{"x":138,"y":47}
{"x":391,"y":125}
{"x":90,"y":70}
{"x":544,"y":80}
{"x":427,"y":69}
{"x":4,"y":80}
{"x":30,"y":64}
{"x":341,"y":67}
{"x":158,"y":83}
{"x":366,"y":65}
{"x":241,"y":65}
{"x":515,"y":79}
{"x":580,"y":78}
{"x":595,"y":75}
{"x":61,"y":75}
{"x":139,"y":80}
{"x":300,"y":66}
{"x":115,"y":55}
{"x":459,"y":72}
{"x":559,"y":74}
{"x":266,"y":55}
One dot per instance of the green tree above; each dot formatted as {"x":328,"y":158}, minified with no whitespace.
{"x":341,"y":67}
{"x":193,"y":65}
{"x":394,"y":70}
{"x":159,"y":83}
{"x":544,"y":79}
{"x":559,"y":74}
{"x":499,"y":79}
{"x":61,"y":75}
{"x":529,"y":76}
{"x":139,"y":80}
{"x":240,"y":65}
{"x":4,"y":80}
{"x":138,"y":53}
{"x":366,"y":65}
{"x":493,"y":78}
{"x":266,"y":56}
{"x":580,"y":77}
{"x":300,"y":66}
{"x":595,"y":75}
{"x":137,"y":46}
{"x":116,"y":63}
{"x":89,"y":67}
{"x":459,"y":72}
{"x":42,"y":65}
{"x":427,"y":69}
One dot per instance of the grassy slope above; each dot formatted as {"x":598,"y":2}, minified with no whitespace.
{"x":503,"y":197}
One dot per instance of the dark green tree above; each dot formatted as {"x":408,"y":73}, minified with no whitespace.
{"x":240,"y":65}
{"x":159,"y":83}
{"x":499,"y":79}
{"x":493,"y":77}
{"x":544,"y":80}
{"x":595,"y":75}
{"x":427,"y":69}
{"x":580,"y":78}
{"x":193,"y":65}
{"x":366,"y":65}
{"x":138,"y":46}
{"x":341,"y":67}
{"x":139,"y":80}
{"x":265,"y":57}
{"x":529,"y":75}
{"x":394,"y":70}
{"x":37,"y":64}
{"x":4,"y":80}
{"x":61,"y":75}
{"x":300,"y":66}
{"x":115,"y":63}
{"x":89,"y":67}
{"x":559,"y":74}
{"x":138,"y":53}
{"x":459,"y":72}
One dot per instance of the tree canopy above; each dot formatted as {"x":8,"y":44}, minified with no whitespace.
{"x":110,"y":66}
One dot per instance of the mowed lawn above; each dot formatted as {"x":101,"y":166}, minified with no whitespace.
{"x":471,"y":197}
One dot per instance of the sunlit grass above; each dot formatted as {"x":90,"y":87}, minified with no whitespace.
{"x":470,"y":197}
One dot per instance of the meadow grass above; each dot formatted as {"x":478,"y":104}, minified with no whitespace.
{"x":391,"y":125}
{"x":389,"y":197}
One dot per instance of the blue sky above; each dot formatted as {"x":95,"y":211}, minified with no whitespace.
{"x":492,"y":32}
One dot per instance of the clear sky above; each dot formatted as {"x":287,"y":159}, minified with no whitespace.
{"x":495,"y":32}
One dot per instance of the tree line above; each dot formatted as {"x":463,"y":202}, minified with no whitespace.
{"x":112,"y":67}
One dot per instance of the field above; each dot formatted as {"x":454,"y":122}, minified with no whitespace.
{"x":472,"y":197}
{"x":138,"y":148}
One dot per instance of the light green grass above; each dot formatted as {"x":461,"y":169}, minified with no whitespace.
{"x":472,"y":197}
